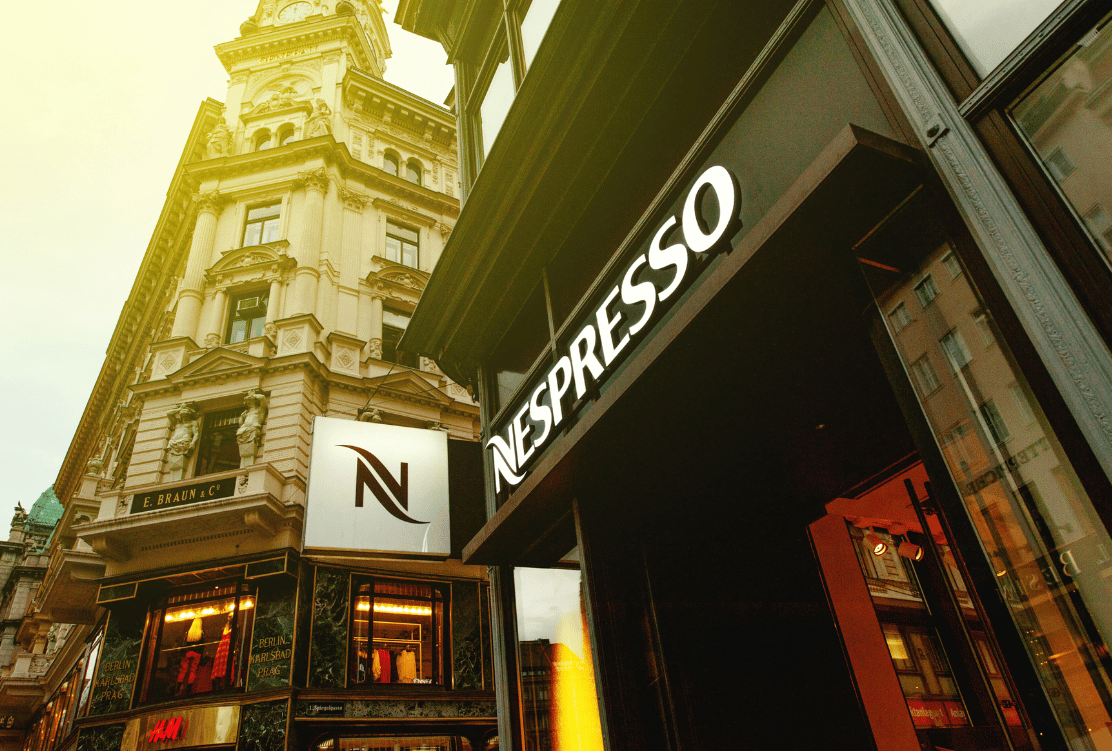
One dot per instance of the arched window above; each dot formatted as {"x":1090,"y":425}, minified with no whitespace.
{"x":285,"y":135}
{"x":263,"y":140}
{"x":413,"y":171}
{"x":390,"y":162}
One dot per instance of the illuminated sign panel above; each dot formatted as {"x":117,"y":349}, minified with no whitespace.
{"x":705,"y":225}
{"x":377,"y":487}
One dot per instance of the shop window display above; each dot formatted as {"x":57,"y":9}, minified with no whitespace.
{"x":397,"y":633}
{"x":198,"y":642}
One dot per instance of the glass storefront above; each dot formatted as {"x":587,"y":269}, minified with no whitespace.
{"x":1037,"y":527}
{"x":1066,"y":119}
{"x":559,"y":703}
{"x":197,"y":642}
{"x":397,"y":633}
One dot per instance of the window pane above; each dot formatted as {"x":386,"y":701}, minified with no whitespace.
{"x":198,"y":647}
{"x":397,"y":633}
{"x":988,"y":31}
{"x":263,"y":212}
{"x":534,"y":26}
{"x":409,"y":254}
{"x":217,"y":450}
{"x":393,"y":249}
{"x":269,"y":231}
{"x":496,"y":104}
{"x":390,"y":163}
{"x":1066,"y":120}
{"x":1038,"y":529}
{"x":405,"y":233}
{"x":251,"y":234}
{"x":558,"y":699}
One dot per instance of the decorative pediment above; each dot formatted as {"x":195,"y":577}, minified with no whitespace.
{"x":251,"y":263}
{"x":397,"y":278}
{"x":220,"y":360}
{"x":408,"y":386}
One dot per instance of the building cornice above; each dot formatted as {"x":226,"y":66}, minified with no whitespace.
{"x":283,"y":42}
{"x":127,"y":345}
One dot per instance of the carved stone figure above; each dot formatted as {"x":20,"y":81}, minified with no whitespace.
{"x":185,"y":429}
{"x":320,"y":124}
{"x":374,"y":348}
{"x":220,"y":141}
{"x":250,"y":432}
{"x":94,"y":466}
{"x":370,"y":415}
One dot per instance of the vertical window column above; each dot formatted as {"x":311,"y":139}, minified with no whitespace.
{"x":200,"y":251}
{"x":308,"y":251}
{"x":216,"y":319}
{"x":374,"y":343}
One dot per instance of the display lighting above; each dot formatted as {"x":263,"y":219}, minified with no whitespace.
{"x":910,"y":550}
{"x":385,"y":607}
{"x":188,"y":615}
{"x":879,"y":546}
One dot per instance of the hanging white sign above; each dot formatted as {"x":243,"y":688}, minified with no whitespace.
{"x":377,"y":487}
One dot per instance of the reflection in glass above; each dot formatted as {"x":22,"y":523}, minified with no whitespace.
{"x":397,"y":629}
{"x":988,"y":30}
{"x":496,"y":104}
{"x":1067,"y":120}
{"x":1039,"y":531}
{"x":559,"y":704}
{"x":534,"y":25}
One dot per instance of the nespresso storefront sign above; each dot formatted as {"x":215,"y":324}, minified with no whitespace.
{"x":627,"y":309}
{"x":164,"y":498}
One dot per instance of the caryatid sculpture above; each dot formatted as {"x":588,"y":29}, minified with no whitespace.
{"x":185,"y":429}
{"x":250,"y":432}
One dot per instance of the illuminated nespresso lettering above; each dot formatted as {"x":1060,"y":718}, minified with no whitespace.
{"x":631,"y":305}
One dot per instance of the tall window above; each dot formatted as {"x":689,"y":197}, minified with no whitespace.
{"x":262,"y":224}
{"x":397,"y":632}
{"x":390,"y":162}
{"x":401,"y":244}
{"x":926,"y":290}
{"x":217,"y":450}
{"x":248,"y":316}
{"x":197,"y":644}
{"x":953,"y":344}
{"x":393,"y":326}
{"x":263,"y":140}
{"x":413,"y":171}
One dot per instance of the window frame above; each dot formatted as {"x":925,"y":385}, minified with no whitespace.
{"x":262,"y":223}
{"x":233,"y":301}
{"x":206,"y":431}
{"x":442,"y":654}
{"x":239,"y":646}
{"x":402,"y":244}
{"x":390,"y":156}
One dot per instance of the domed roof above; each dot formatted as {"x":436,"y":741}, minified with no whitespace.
{"x":47,"y":509}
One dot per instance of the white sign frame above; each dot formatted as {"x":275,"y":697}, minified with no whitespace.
{"x":399,"y":474}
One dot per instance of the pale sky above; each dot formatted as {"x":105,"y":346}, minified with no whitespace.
{"x":100,"y":98}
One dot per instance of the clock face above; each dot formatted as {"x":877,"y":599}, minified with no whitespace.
{"x":294,"y":12}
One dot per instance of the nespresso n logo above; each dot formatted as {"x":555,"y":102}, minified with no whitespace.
{"x":397,"y":505}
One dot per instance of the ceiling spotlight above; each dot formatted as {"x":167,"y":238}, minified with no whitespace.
{"x":910,"y":550}
{"x":879,"y":546}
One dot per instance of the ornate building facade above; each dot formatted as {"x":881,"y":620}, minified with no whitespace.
{"x":305,"y":216}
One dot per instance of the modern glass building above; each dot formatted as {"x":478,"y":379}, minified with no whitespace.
{"x":790,"y":326}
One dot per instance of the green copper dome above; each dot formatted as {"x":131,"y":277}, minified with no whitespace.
{"x":47,"y":509}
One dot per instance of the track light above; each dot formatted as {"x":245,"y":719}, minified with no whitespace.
{"x":879,"y":546}
{"x":910,"y":550}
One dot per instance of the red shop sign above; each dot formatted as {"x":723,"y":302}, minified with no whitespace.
{"x":167,"y":729}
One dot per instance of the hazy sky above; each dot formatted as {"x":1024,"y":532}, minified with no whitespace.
{"x":100,"y":99}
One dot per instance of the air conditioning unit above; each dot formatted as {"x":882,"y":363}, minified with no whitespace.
{"x":250,"y":304}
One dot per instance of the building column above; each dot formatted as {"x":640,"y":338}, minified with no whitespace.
{"x":216,"y":318}
{"x":274,"y":302}
{"x":374,"y":343}
{"x":308,"y":250}
{"x":190,"y":295}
